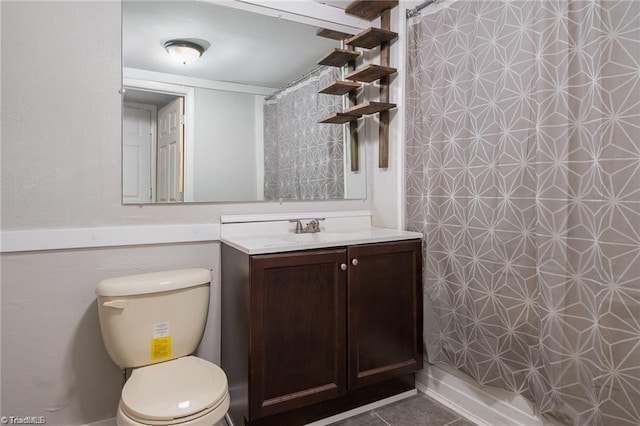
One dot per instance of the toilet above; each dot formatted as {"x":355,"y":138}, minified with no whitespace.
{"x":152,"y":323}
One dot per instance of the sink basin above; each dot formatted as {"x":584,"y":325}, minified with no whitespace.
{"x":321,"y":237}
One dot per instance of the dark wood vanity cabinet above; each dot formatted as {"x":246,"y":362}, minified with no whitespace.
{"x":311,"y":333}
{"x":384,"y":311}
{"x":297,"y":337}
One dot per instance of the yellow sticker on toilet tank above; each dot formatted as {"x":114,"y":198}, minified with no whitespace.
{"x":160,"y":348}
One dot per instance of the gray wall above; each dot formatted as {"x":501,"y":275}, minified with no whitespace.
{"x":61,"y":169}
{"x":61,"y":136}
{"x":53,"y":359}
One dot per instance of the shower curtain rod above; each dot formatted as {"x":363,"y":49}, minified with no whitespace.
{"x":294,"y":82}
{"x":413,"y":12}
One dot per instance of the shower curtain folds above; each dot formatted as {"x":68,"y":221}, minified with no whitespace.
{"x":523,"y":173}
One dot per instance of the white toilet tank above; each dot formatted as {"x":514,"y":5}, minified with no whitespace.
{"x":155,"y":317}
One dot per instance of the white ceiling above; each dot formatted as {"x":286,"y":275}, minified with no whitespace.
{"x":246,"y":47}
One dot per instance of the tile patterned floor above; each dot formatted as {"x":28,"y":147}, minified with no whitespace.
{"x":415,"y":411}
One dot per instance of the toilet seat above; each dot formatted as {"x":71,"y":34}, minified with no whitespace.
{"x":173,"y":392}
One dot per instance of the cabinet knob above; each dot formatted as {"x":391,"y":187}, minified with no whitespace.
{"x":354,"y":262}
{"x":343,"y":266}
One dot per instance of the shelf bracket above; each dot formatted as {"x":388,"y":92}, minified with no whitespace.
{"x":354,"y":143}
{"x":383,"y":133}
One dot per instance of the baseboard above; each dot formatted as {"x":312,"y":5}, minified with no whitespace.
{"x":364,"y":408}
{"x":482,"y":405}
{"x":354,"y":412}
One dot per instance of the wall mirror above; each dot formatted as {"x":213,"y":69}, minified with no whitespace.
{"x":239,"y":123}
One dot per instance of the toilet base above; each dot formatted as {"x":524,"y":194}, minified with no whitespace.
{"x":212,"y":418}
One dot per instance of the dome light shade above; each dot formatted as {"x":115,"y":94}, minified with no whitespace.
{"x":184,"y":51}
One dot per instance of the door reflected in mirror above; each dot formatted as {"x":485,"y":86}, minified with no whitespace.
{"x":238,"y":124}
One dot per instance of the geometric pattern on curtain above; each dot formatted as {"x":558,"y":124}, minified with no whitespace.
{"x":523,"y":173}
{"x":303,"y":159}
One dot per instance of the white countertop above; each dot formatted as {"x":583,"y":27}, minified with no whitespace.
{"x":279,"y":236}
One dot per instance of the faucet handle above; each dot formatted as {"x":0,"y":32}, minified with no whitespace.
{"x":298,"y":225}
{"x":314,"y":224}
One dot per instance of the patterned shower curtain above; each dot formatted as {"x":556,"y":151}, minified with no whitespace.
{"x":303,"y":160}
{"x":523,"y":173}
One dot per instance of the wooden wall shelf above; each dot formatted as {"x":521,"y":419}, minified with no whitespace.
{"x":371,"y":37}
{"x":367,"y":39}
{"x":371,"y":72}
{"x":338,"y":57}
{"x":369,"y":9}
{"x":339,"y":87}
{"x":369,"y":108}
{"x":339,"y":118}
{"x":332,"y":34}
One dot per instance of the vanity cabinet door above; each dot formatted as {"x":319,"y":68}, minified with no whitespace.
{"x":384,"y":311}
{"x":297,"y":337}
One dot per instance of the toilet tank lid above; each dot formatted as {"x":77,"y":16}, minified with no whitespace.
{"x":153,"y":282}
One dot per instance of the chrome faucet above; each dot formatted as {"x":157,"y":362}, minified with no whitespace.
{"x":312,"y":226}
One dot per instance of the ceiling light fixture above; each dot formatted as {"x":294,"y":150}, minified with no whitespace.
{"x":183,"y":50}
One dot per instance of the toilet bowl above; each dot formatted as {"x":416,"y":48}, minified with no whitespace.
{"x":152,"y":323}
{"x":187,"y":391}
